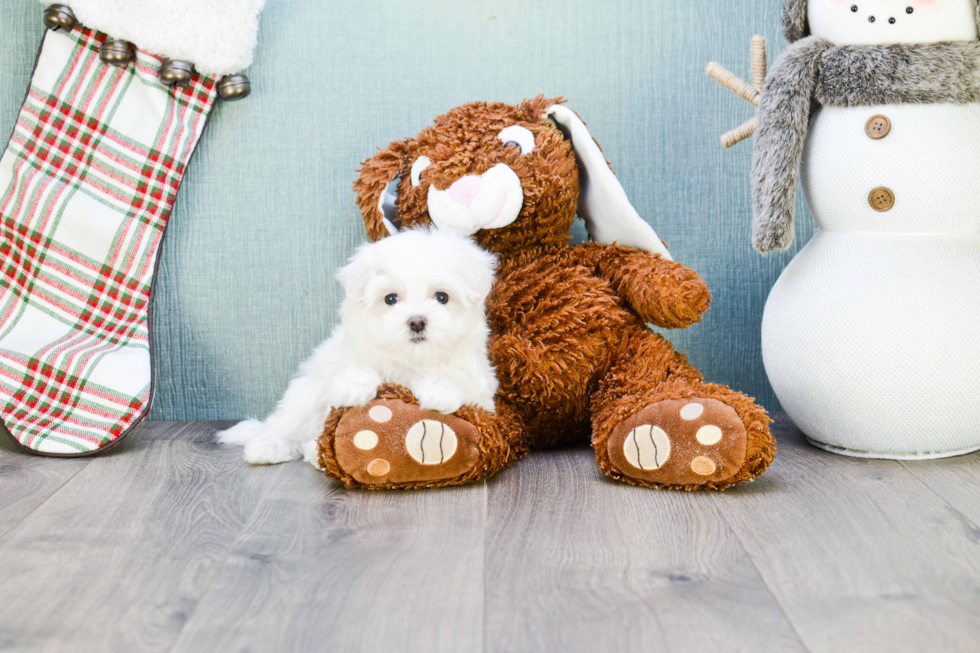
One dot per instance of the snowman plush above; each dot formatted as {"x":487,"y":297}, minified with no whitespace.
{"x":871,"y":336}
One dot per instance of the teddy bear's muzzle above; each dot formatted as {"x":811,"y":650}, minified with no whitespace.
{"x":474,"y":202}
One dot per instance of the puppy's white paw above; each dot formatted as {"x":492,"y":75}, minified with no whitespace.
{"x":354,"y":387}
{"x":268,"y":450}
{"x":311,"y":454}
{"x":440,"y":395}
{"x":242,"y":433}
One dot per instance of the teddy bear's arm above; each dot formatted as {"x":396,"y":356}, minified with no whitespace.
{"x":666,"y":293}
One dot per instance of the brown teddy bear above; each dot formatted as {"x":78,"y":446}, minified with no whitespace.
{"x":571,"y":346}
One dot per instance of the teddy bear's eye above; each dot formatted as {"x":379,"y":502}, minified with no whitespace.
{"x":420,"y":164}
{"x":517,"y":135}
{"x":391,"y":299}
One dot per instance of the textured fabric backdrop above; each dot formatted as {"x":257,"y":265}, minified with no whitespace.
{"x":266,"y":213}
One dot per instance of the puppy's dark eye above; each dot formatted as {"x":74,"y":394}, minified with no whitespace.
{"x":391,"y":299}
{"x":442,"y":298}
{"x":854,"y":8}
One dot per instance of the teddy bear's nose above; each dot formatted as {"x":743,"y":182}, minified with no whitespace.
{"x":464,"y":190}
{"x":417,"y":323}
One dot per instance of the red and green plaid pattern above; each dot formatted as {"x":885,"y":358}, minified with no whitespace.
{"x":87,"y":183}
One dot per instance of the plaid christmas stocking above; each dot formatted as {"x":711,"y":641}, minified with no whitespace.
{"x":87,"y":183}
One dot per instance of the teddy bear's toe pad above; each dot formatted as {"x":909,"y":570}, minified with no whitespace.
{"x":392,"y":442}
{"x":680,"y":442}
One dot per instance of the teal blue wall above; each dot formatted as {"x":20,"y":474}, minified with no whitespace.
{"x":266,"y":213}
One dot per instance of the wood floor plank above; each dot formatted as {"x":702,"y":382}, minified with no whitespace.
{"x":171,"y":543}
{"x":118,"y":559}
{"x":577,"y":562}
{"x":322,"y":568}
{"x":859,"y":553}
{"x":956,"y":480}
{"x":27,"y":481}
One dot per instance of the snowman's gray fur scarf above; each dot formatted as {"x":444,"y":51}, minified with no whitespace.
{"x":815,"y":71}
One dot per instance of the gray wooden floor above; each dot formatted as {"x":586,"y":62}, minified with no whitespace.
{"x":171,"y":544}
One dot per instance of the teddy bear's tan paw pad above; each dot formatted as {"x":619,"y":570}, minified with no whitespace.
{"x":393,"y":442}
{"x":680,"y":442}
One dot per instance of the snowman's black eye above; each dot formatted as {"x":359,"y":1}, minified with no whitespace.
{"x":891,"y":21}
{"x":854,"y":8}
{"x":871,"y":19}
{"x":909,"y":10}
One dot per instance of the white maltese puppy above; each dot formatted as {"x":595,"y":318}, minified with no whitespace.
{"x":413,"y":315}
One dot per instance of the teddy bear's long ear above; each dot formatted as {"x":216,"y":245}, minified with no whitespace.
{"x":376,"y":174}
{"x":603,"y":204}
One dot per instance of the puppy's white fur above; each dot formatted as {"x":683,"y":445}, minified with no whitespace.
{"x":445,"y":367}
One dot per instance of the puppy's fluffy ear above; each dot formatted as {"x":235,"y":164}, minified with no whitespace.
{"x":372,"y":185}
{"x":358,"y":272}
{"x":478,"y":271}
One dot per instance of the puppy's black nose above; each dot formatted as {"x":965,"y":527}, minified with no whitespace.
{"x":417,"y":324}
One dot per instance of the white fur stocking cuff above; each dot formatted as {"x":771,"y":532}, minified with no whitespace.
{"x":217,"y":36}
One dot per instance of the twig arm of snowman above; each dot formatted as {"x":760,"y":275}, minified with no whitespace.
{"x":740,"y":88}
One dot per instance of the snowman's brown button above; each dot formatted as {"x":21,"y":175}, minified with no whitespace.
{"x":878,"y":127}
{"x":881,"y":199}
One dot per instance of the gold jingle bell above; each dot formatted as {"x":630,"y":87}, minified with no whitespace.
{"x":176,"y":74}
{"x":234,"y":87}
{"x":116,"y":53}
{"x":60,"y":17}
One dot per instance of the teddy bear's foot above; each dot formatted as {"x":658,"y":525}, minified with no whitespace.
{"x":391,"y":443}
{"x":682,"y":443}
